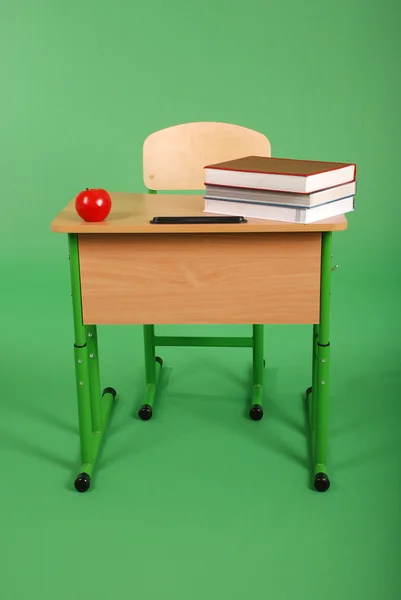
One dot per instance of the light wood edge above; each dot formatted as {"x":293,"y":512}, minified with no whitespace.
{"x":253,"y":226}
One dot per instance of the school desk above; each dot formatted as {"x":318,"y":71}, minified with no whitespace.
{"x":126,"y":270}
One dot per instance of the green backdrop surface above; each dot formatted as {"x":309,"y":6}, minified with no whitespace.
{"x":200,"y":502}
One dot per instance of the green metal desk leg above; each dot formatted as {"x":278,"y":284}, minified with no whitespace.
{"x":256,"y":411}
{"x":90,"y":440}
{"x":153,"y":366}
{"x":321,"y":393}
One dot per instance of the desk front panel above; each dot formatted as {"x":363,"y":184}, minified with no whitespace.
{"x":200,"y":278}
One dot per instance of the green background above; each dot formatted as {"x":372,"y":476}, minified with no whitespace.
{"x":200,"y":502}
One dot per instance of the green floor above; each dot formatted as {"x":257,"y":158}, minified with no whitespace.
{"x":200,"y":502}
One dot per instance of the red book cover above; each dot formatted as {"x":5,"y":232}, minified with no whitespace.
{"x":279,"y":166}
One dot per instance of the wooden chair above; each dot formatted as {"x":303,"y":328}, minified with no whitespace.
{"x":173,"y":160}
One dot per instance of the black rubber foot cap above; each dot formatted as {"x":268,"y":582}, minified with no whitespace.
{"x":110,"y":390}
{"x":82,"y":482}
{"x":321,"y":482}
{"x":159,"y":360}
{"x":256,"y":412}
{"x":145,"y":412}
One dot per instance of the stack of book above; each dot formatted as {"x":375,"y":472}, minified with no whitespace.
{"x":280,"y":189}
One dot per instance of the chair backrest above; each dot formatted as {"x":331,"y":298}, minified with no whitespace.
{"x":174,"y":158}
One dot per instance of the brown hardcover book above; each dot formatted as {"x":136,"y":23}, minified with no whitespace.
{"x":280,"y":174}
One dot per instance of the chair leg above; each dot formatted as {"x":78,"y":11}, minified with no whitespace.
{"x":94,"y":377}
{"x":153,"y":365}
{"x":256,"y":411}
{"x":312,"y":389}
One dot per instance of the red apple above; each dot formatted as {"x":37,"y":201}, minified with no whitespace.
{"x":93,"y":204}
